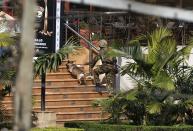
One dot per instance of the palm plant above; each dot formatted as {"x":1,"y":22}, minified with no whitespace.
{"x":182,"y":75}
{"x":53,"y":60}
{"x":150,"y":66}
{"x":8,"y":72}
{"x":156,"y":85}
{"x":113,"y":106}
{"x":122,"y":106}
{"x":182,"y":98}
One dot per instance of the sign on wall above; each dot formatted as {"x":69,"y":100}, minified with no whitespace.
{"x":45,"y":28}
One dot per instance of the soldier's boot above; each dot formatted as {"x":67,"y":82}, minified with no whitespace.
{"x":98,"y":87}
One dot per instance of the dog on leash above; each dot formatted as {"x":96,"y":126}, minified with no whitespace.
{"x":76,"y":72}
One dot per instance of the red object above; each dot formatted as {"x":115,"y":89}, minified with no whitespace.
{"x":86,"y":34}
{"x":6,"y":8}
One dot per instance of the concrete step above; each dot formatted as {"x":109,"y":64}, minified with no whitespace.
{"x":55,"y":89}
{"x":74,"y":95}
{"x":64,"y":69}
{"x":75,"y":108}
{"x":79,"y":115}
{"x":61,"y":82}
{"x":58,"y":102}
{"x":65,"y":95}
{"x":64,"y":62}
{"x":61,"y":122}
{"x":57,"y":75}
{"x":60,"y":109}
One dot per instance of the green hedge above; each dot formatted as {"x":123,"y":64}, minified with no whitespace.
{"x":89,"y":126}
{"x":56,"y":129}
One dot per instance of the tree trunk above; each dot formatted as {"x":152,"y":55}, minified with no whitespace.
{"x":23,"y":93}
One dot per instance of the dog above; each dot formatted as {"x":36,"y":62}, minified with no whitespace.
{"x":76,"y":72}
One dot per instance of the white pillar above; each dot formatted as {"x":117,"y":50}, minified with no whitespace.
{"x":58,"y":15}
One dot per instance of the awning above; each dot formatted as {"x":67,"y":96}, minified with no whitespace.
{"x":7,"y":23}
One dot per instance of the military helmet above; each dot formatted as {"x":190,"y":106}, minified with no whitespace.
{"x":102,"y":43}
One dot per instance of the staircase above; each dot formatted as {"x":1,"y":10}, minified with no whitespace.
{"x":64,"y":95}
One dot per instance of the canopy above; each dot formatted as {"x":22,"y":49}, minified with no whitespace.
{"x":7,"y":23}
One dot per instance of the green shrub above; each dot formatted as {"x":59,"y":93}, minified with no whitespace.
{"x":83,"y":25}
{"x":56,"y":129}
{"x":89,"y":126}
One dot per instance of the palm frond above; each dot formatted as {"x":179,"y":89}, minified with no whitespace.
{"x":157,"y":36}
{"x":104,"y":103}
{"x":131,"y":94}
{"x":188,"y":104}
{"x":52,"y":61}
{"x":185,"y":51}
{"x":163,"y":81}
{"x":5,"y":39}
{"x":162,"y":54}
{"x":134,"y":70}
{"x":134,"y":50}
{"x":154,"y":107}
{"x":117,"y":53}
{"x":137,"y":40}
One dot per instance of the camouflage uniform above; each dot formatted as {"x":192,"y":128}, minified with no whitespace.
{"x":108,"y":67}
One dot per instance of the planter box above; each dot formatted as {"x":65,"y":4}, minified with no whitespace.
{"x":45,"y":119}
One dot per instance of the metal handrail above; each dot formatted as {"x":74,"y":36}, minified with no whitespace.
{"x":87,"y":41}
{"x":77,"y":29}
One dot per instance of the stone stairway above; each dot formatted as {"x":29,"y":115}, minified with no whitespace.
{"x":64,"y":96}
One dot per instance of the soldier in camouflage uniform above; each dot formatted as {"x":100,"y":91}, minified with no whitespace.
{"x":108,"y":67}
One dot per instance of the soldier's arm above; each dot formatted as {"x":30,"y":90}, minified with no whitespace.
{"x":94,"y":61}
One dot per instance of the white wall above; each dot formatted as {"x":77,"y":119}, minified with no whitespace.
{"x":127,"y":83}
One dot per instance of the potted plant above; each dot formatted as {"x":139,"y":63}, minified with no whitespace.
{"x":83,"y":25}
{"x":95,"y":37}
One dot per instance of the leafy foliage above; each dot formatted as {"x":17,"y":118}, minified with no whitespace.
{"x":8,"y":70}
{"x":53,"y":60}
{"x":163,"y":95}
{"x":7,"y":73}
{"x":56,"y":129}
{"x":6,"y":40}
{"x":93,"y":126}
{"x":83,"y":25}
{"x":114,"y":106}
